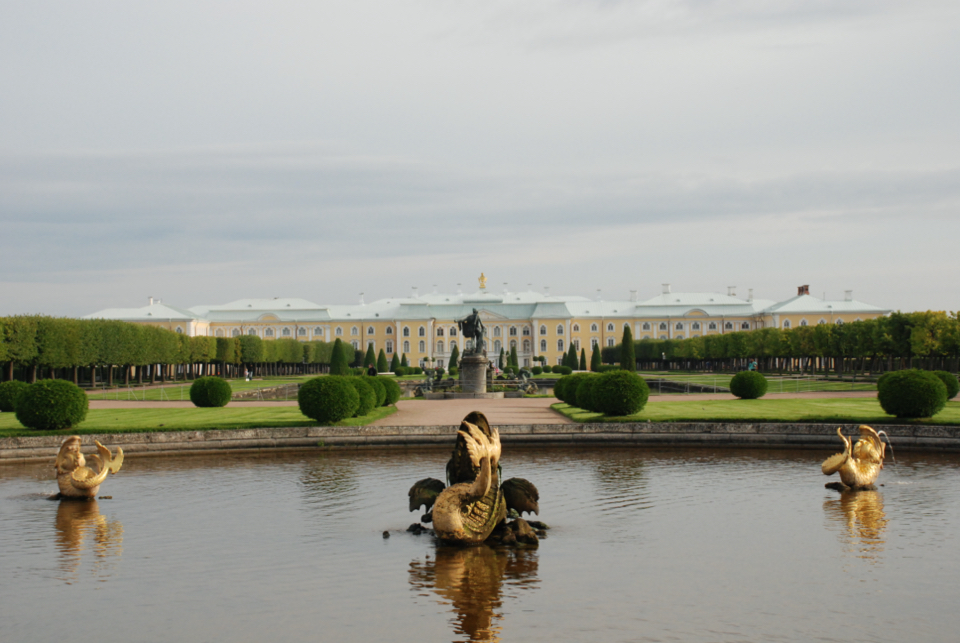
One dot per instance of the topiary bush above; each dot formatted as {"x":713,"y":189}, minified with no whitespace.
{"x":565,"y":370}
{"x":9,"y":393}
{"x":572,"y":387}
{"x":559,"y":389}
{"x":378,"y":389}
{"x":748,"y":385}
{"x":417,"y":370}
{"x":949,"y":380}
{"x":454,"y":371}
{"x":328,"y":399}
{"x":586,"y":393}
{"x":394,"y":392}
{"x":368,"y":399}
{"x":912,"y":394}
{"x":536,"y":370}
{"x":207,"y":392}
{"x":50,"y":405}
{"x":620,"y":393}
{"x":547,"y":368}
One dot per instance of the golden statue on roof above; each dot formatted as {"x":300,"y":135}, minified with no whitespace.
{"x":483,"y":282}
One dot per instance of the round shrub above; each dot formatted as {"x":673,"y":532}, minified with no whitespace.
{"x":912,"y":394}
{"x":566,"y":370}
{"x":417,"y":370}
{"x":454,"y":371}
{"x":559,"y":389}
{"x":210,"y":391}
{"x":368,"y":399}
{"x":9,"y":393}
{"x":572,"y":388}
{"x":586,"y":393}
{"x":400,"y":371}
{"x":50,"y":405}
{"x":439,"y":371}
{"x":748,"y":385}
{"x":949,"y":380}
{"x":328,"y":399}
{"x":547,"y":368}
{"x":378,"y":389}
{"x":394,"y":392}
{"x":620,"y":393}
{"x":536,"y":370}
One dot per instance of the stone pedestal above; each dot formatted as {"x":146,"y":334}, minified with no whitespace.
{"x":473,"y":373}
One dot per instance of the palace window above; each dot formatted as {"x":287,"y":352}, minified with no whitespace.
{"x":712,"y":326}
{"x":354,"y":330}
{"x":594,"y":341}
{"x":179,"y":330}
{"x":389,"y":346}
{"x":318,"y":330}
{"x":609,"y":341}
{"x":786,"y":323}
{"x":745,"y":326}
{"x":559,"y":344}
{"x":496,"y":346}
{"x":371,"y":344}
{"x":439,"y":331}
{"x":803,"y":322}
{"x":593,"y":328}
{"x":696,"y":325}
{"x":453,"y":331}
{"x":235,"y":333}
{"x":646,"y":325}
{"x":679,"y":326}
{"x":559,"y":329}
{"x":371,"y":330}
{"x":543,"y":330}
{"x":576,"y":344}
{"x":496,"y":331}
{"x":728,"y":326}
{"x":406,"y":331}
{"x":422,"y":332}
{"x":513,"y":331}
{"x":389,"y":330}
{"x":822,"y":321}
{"x":285,"y":332}
{"x":526,"y":346}
{"x":252,"y":331}
{"x":610,"y":328}
{"x":663,"y":337}
{"x":338,"y":332}
{"x":663,"y":325}
{"x":543,"y":346}
{"x":406,"y":347}
{"x":526,"y":331}
{"x":678,"y":337}
{"x":219,"y":332}
{"x":513,"y":344}
{"x":576,"y":328}
{"x":422,"y":346}
{"x":440,"y":347}
{"x":453,"y":344}
{"x":268,"y":332}
{"x":302,"y":332}
{"x":356,"y":345}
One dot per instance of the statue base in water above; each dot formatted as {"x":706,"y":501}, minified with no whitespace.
{"x":473,"y":373}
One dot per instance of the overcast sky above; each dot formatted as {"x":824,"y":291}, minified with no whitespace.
{"x":201,"y":152}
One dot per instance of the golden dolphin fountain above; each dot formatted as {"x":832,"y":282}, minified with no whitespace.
{"x":74,"y":477}
{"x":859,"y":465}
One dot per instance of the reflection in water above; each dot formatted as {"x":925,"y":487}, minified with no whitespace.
{"x":861,"y":512}
{"x":78,"y":520}
{"x":472,"y":579}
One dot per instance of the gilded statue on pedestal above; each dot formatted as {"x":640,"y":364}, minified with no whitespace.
{"x":75,"y":479}
{"x":859,"y":465}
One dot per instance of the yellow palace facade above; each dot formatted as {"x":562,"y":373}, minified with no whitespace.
{"x":424,"y":328}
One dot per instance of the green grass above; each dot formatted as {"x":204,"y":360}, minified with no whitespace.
{"x":775,"y":383}
{"x":181,"y":390}
{"x":149,"y":420}
{"x":846,"y":411}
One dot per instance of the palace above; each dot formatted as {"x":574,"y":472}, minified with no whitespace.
{"x":424,"y":326}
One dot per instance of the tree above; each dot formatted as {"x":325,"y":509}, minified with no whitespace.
{"x":595,"y":360}
{"x":513,"y":360}
{"x":500,"y":363}
{"x":394,"y":363}
{"x":338,"y":360}
{"x":628,"y":360}
{"x":570,"y":359}
{"x":382,"y":362}
{"x":454,"y":357}
{"x":369,"y":359}
{"x":403,"y":361}
{"x":583,"y":359}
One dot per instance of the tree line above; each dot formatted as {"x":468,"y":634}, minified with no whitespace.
{"x":92,"y":351}
{"x":929,"y":340}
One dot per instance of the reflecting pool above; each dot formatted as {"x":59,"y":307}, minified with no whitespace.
{"x":645,"y":545}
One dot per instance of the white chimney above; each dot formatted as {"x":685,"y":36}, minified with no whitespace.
{"x":150,"y":301}
{"x":414,"y":295}
{"x":750,"y":294}
{"x":633,"y":295}
{"x":666,"y":289}
{"x":731,"y":291}
{"x":361,"y":300}
{"x":848,"y":295}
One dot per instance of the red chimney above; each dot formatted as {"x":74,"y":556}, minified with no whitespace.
{"x":803,"y":290}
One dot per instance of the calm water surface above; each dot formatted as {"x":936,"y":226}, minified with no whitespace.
{"x":646,"y":545}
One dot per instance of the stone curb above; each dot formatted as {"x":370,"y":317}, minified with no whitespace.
{"x":768,"y":435}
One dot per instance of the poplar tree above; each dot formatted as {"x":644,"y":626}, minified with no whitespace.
{"x":500,"y":363}
{"x":369,"y":359}
{"x":454,"y":357}
{"x":595,"y":359}
{"x":382,"y":362}
{"x":403,"y":361}
{"x":628,"y":360}
{"x":583,"y":359}
{"x":338,"y":359}
{"x":394,"y":363}
{"x":513,"y":361}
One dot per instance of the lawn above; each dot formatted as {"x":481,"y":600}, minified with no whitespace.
{"x":846,"y":411}
{"x":140,"y":420}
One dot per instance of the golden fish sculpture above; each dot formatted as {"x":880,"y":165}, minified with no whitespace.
{"x":75,"y":478}
{"x":860,"y":464}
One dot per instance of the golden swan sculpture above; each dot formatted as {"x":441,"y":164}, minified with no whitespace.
{"x":75,"y":479}
{"x":859,"y":465}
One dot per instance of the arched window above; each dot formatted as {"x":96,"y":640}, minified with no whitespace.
{"x":338,"y":332}
{"x":526,"y":346}
{"x":513,"y":344}
{"x":678,"y":337}
{"x":559,"y":329}
{"x":609,"y":341}
{"x":318,"y":330}
{"x":745,"y":326}
{"x":389,"y":346}
{"x":371,"y":330}
{"x":235,"y":333}
{"x":593,"y":328}
{"x":496,"y":331}
{"x":543,"y":346}
{"x":803,"y":322}
{"x":496,"y":346}
{"x":543,"y":329}
{"x":389,"y":330}
{"x":559,"y":344}
{"x":453,"y":331}
{"x":439,"y":331}
{"x":440,"y":346}
{"x":268,"y":332}
{"x":576,"y":343}
{"x":526,"y":331}
{"x":610,"y":327}
{"x":372,"y":344}
{"x":786,"y":323}
{"x":285,"y":332}
{"x":252,"y":331}
{"x":822,"y":321}
{"x":576,"y":328}
{"x":646,"y":325}
{"x":728,"y":326}
{"x":354,"y":330}
{"x":219,"y":332}
{"x":406,"y":347}
{"x":513,"y":331}
{"x":356,"y":345}
{"x":302,"y":332}
{"x":179,"y":330}
{"x":422,"y":332}
{"x":663,"y":325}
{"x":422,"y":346}
{"x":839,"y":322}
{"x":679,"y":326}
{"x":453,"y":344}
{"x":406,"y":331}
{"x":712,"y":326}
{"x":696,"y":325}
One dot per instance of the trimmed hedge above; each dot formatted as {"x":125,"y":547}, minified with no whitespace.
{"x":911,"y":393}
{"x":620,"y":393}
{"x":208,"y":392}
{"x":571,"y":388}
{"x":368,"y":398}
{"x":328,"y":399}
{"x":565,"y":370}
{"x":547,"y":368}
{"x":378,"y":388}
{"x":586,"y":393}
{"x":949,"y":380}
{"x":536,"y":370}
{"x":394,"y":392}
{"x":9,"y":393}
{"x":50,"y":405}
{"x":748,"y":385}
